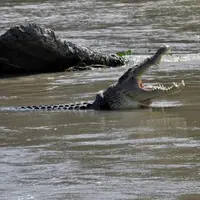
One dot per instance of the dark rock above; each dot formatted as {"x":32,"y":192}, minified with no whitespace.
{"x":32,"y":49}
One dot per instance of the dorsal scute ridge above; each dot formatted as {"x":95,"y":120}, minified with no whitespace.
{"x":71,"y":106}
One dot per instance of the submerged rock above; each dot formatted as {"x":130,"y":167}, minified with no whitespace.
{"x":33,"y":49}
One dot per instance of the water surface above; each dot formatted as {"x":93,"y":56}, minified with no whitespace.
{"x":138,"y":154}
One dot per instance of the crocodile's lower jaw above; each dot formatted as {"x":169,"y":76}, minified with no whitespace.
{"x":164,"y":88}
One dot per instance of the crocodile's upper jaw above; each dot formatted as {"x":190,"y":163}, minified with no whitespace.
{"x":130,"y":92}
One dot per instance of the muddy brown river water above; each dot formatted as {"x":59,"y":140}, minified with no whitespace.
{"x":117,"y":155}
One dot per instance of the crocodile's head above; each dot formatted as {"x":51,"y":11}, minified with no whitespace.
{"x":130,"y":92}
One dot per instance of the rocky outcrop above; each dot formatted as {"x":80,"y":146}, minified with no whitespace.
{"x":32,"y":49}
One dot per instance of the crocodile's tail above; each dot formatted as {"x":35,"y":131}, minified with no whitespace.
{"x":76,"y":106}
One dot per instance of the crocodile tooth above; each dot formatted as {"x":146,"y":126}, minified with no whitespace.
{"x":175,"y":84}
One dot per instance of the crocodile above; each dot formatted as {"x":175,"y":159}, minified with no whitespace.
{"x":129,"y":92}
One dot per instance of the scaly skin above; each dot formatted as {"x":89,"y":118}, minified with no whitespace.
{"x":128,"y":93}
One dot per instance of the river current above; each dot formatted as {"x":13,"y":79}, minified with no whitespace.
{"x":117,"y":155}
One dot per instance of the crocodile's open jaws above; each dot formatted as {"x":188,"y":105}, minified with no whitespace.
{"x":129,"y":92}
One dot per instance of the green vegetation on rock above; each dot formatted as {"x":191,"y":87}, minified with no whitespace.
{"x":125,"y":53}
